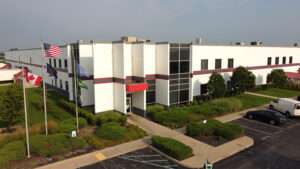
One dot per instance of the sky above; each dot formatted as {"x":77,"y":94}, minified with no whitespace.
{"x":24,"y":22}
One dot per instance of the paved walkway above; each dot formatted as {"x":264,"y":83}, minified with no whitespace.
{"x":201,"y":150}
{"x":261,"y":95}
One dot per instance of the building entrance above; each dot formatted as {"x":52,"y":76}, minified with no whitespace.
{"x":128,"y":102}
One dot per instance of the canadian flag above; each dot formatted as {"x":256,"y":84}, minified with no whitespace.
{"x":34,"y":79}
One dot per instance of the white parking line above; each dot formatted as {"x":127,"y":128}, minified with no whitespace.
{"x":256,"y":130}
{"x":293,"y":121}
{"x":263,"y":124}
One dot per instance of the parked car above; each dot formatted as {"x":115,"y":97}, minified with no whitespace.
{"x":298,"y":97}
{"x":287,"y":106}
{"x":268,"y":116}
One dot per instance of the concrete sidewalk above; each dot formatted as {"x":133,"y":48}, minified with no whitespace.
{"x":261,"y":95}
{"x":201,"y":150}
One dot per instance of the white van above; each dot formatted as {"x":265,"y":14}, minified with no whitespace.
{"x":287,"y":106}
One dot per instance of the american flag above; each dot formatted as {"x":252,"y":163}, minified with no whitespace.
{"x":52,"y":50}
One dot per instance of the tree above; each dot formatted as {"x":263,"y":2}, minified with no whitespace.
{"x":11,"y":103}
{"x":242,"y":80}
{"x":216,"y":85}
{"x":277,"y":77}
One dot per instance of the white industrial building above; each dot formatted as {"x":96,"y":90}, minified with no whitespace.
{"x":128,"y":75}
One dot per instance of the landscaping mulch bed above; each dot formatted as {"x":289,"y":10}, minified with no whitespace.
{"x":212,"y":140}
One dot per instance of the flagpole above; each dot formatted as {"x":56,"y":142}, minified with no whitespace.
{"x":44,"y":86}
{"x":25,"y":111}
{"x":75,"y":86}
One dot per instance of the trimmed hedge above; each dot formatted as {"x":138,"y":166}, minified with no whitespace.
{"x":172,"y":147}
{"x":94,"y":142}
{"x":54,"y":144}
{"x":91,"y":117}
{"x":151,"y":110}
{"x":81,"y":122}
{"x":172,"y":118}
{"x":111,"y":131}
{"x":214,"y":127}
{"x":66,"y":128}
{"x":13,"y":151}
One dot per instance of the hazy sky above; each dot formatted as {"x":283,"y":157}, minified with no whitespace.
{"x":24,"y":22}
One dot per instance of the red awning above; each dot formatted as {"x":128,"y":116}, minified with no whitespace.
{"x":136,"y":87}
{"x":291,"y":75}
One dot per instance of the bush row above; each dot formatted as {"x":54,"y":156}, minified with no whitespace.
{"x":172,"y":147}
{"x":111,"y":131}
{"x":179,"y":116}
{"x":54,"y":144}
{"x":69,"y":125}
{"x":13,"y":151}
{"x":133,"y":132}
{"x":33,"y":130}
{"x":93,"y":119}
{"x":214,"y":127}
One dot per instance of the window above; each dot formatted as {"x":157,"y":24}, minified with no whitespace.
{"x":30,"y":59}
{"x":173,"y":97}
{"x":277,"y":60}
{"x":291,"y":59}
{"x":184,"y":81}
{"x":218,"y":64}
{"x":174,"y":67}
{"x":230,"y":63}
{"x":59,"y":63}
{"x":150,"y":97}
{"x":184,"y":95}
{"x":204,"y":64}
{"x":175,"y":87}
{"x":54,"y":62}
{"x":60,"y":84}
{"x":174,"y":54}
{"x":184,"y":53}
{"x":66,"y":63}
{"x":284,"y":60}
{"x":55,"y":82}
{"x":269,"y":61}
{"x":173,"y":82}
{"x":50,"y":63}
{"x":184,"y":67}
{"x":67,"y":85}
{"x":174,"y":45}
{"x":203,"y":88}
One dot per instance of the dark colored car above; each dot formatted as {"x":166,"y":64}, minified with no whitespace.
{"x":298,"y":97}
{"x":268,"y":116}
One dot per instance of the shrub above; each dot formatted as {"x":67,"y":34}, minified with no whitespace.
{"x":134,"y":132}
{"x":77,"y":142}
{"x":172,"y":118}
{"x":13,"y":151}
{"x":229,"y":104}
{"x":151,"y":110}
{"x":95,"y":142}
{"x":50,"y":144}
{"x":81,"y":122}
{"x":238,"y":129}
{"x":111,"y":116}
{"x":172,"y":147}
{"x":111,"y":131}
{"x":226,"y":131}
{"x":66,"y":128}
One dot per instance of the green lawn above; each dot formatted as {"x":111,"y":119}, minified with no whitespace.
{"x":250,"y":101}
{"x":279,"y":92}
{"x":34,"y":107}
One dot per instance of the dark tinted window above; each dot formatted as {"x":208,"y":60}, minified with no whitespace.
{"x":184,"y":53}
{"x":230,"y":63}
{"x":150,"y":97}
{"x":151,"y":87}
{"x":174,"y":45}
{"x":204,"y":64}
{"x":59,"y":63}
{"x":284,"y":60}
{"x":173,"y":97}
{"x":54,"y":62}
{"x":184,"y":67}
{"x":276,"y":60}
{"x":172,"y":82}
{"x":184,"y":86}
{"x":184,"y":45}
{"x":203,"y":88}
{"x":50,"y":63}
{"x":184,"y":95}
{"x":175,"y":87}
{"x":174,"y":76}
{"x":269,"y":60}
{"x":152,"y":81}
{"x":174,"y":54}
{"x":174,"y":67}
{"x":184,"y":80}
{"x":66,"y":63}
{"x":67,"y":85}
{"x":218,"y":64}
{"x":291,"y":59}
{"x":185,"y":75}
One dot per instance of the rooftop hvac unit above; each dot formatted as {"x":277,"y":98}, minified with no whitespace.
{"x":240,"y":43}
{"x":198,"y":40}
{"x":256,"y":43}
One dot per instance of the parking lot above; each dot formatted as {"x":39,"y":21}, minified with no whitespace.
{"x":145,"y":158}
{"x":275,"y":146}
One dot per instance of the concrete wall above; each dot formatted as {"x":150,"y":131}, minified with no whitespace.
{"x":162,"y":68}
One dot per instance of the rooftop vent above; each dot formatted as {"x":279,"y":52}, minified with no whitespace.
{"x":240,"y":43}
{"x":80,"y":41}
{"x":256,"y":43}
{"x":128,"y":39}
{"x":295,"y":44}
{"x":198,"y":40}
